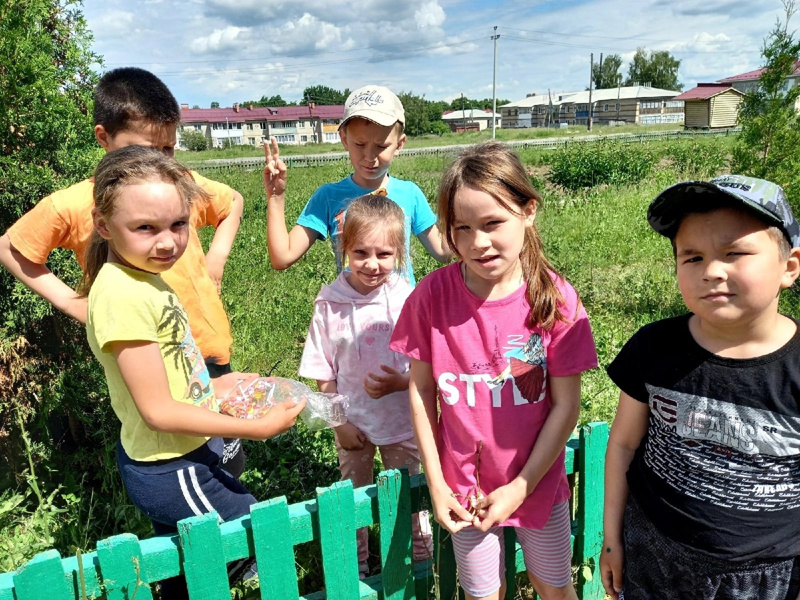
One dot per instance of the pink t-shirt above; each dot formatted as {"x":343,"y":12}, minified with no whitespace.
{"x":492,"y":371}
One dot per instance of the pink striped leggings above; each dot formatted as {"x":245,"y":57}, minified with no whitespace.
{"x":480,"y":556}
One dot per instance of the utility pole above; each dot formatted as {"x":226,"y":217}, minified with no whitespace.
{"x":591,"y":79}
{"x":494,"y":82}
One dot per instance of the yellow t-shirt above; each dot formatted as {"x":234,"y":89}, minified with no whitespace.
{"x":130,"y":305}
{"x":64,"y":220}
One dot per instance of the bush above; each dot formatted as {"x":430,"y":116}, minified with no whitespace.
{"x":579,"y":166}
{"x":195,"y":140}
{"x":695,"y":159}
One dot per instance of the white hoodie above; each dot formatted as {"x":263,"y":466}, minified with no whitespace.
{"x":349,"y":337}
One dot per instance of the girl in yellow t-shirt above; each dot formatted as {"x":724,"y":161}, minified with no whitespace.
{"x":170,"y":440}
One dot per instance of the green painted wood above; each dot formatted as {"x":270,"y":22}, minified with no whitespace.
{"x":121,"y":567}
{"x":6,"y":586}
{"x":43,"y":577}
{"x":203,"y":563}
{"x":272,"y":537}
{"x":510,"y":550}
{"x":591,"y":461}
{"x":445,"y":564}
{"x":88,"y":571}
{"x":337,"y":536}
{"x":394,"y":504}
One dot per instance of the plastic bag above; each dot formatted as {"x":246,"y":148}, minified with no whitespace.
{"x":254,"y":399}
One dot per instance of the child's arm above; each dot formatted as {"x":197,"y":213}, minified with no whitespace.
{"x":565,"y":394}
{"x":378,"y":386}
{"x":630,"y":426}
{"x":220,"y":248}
{"x":41,"y":280}
{"x":447,"y":510}
{"x":433,"y":242}
{"x":142,"y":369}
{"x":285,"y":247}
{"x":350,"y":437}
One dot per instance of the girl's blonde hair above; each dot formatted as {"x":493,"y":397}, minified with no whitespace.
{"x":495,"y":169}
{"x":369,"y":212}
{"x":129,"y":166}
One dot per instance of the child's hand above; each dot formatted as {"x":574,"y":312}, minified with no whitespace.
{"x":378,"y":386}
{"x":225,"y":384}
{"x":350,"y":437}
{"x":274,"y":171}
{"x":611,"y":557}
{"x":498,"y":506}
{"x":279,"y":418}
{"x":448,"y":511}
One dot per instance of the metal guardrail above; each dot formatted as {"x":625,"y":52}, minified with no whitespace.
{"x":315,"y":160}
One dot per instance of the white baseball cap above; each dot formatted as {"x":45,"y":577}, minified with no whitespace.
{"x":375,"y":103}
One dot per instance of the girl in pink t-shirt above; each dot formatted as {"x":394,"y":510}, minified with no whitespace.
{"x":501,"y":340}
{"x":347,"y":351}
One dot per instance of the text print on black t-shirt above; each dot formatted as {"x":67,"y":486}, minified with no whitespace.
{"x":732,"y":456}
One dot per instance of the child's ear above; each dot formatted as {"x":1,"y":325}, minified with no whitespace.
{"x":100,"y":224}
{"x":529,"y":210}
{"x":792,"y":268}
{"x":343,"y":137}
{"x":102,"y":136}
{"x":401,"y":141}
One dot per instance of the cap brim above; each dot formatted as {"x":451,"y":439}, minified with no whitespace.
{"x":669,"y":208}
{"x":375,"y":116}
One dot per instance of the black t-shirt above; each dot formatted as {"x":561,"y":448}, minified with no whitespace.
{"x":719,"y":467}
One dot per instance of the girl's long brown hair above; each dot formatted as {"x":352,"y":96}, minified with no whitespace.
{"x":369,"y":212}
{"x":493,"y":168}
{"x":129,"y":166}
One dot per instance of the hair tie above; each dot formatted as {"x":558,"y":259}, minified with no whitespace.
{"x":380,"y":192}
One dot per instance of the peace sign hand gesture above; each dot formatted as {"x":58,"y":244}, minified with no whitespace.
{"x":274,"y":171}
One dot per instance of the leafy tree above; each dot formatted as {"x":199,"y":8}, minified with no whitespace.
{"x":607,"y":74}
{"x":269,"y":101}
{"x":767,"y":145}
{"x":657,"y":68}
{"x":416,"y":114}
{"x":323,"y":96}
{"x":215,"y":105}
{"x":194,"y":140}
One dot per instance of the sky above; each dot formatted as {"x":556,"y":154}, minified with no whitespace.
{"x":238,"y":50}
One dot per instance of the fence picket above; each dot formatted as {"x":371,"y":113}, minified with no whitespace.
{"x":337,"y":536}
{"x":594,"y":439}
{"x":394,"y":507}
{"x":203,"y":558}
{"x":272,"y":536}
{"x":43,"y":577}
{"x":121,"y":568}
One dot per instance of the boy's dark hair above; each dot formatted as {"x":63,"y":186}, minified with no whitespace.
{"x":131,"y":94}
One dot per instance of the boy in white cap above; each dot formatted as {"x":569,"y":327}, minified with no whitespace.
{"x":372,"y":133}
{"x":702,"y":491}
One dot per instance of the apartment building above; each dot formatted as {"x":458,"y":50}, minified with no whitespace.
{"x":641,"y":105}
{"x":253,"y":125}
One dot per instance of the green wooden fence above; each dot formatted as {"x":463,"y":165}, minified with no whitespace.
{"x":122,"y":567}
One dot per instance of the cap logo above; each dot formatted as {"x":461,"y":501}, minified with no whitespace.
{"x":370,"y":98}
{"x":732,"y":184}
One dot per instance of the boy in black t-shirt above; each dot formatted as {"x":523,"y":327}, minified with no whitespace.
{"x":702,"y":483}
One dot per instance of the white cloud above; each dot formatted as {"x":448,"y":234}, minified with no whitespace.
{"x":220,"y":40}
{"x":429,"y":14}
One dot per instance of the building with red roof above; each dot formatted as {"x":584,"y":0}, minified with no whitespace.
{"x":253,"y":125}
{"x":711,"y":105}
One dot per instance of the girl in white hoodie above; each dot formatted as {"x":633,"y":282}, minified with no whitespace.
{"x":347,"y":352}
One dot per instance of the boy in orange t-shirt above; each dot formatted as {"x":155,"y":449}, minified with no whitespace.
{"x":134,"y":107}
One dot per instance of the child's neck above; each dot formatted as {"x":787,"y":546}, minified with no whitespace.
{"x":752,"y":339}
{"x":370,"y":184}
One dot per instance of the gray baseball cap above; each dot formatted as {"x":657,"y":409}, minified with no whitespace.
{"x":760,"y":197}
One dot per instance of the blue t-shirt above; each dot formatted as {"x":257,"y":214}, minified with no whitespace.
{"x":324,"y":212}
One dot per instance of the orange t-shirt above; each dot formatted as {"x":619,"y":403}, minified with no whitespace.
{"x":64,"y":220}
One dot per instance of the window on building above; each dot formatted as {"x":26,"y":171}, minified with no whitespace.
{"x":332,"y":137}
{"x":285,"y":138}
{"x":303,"y":138}
{"x":249,"y":127}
